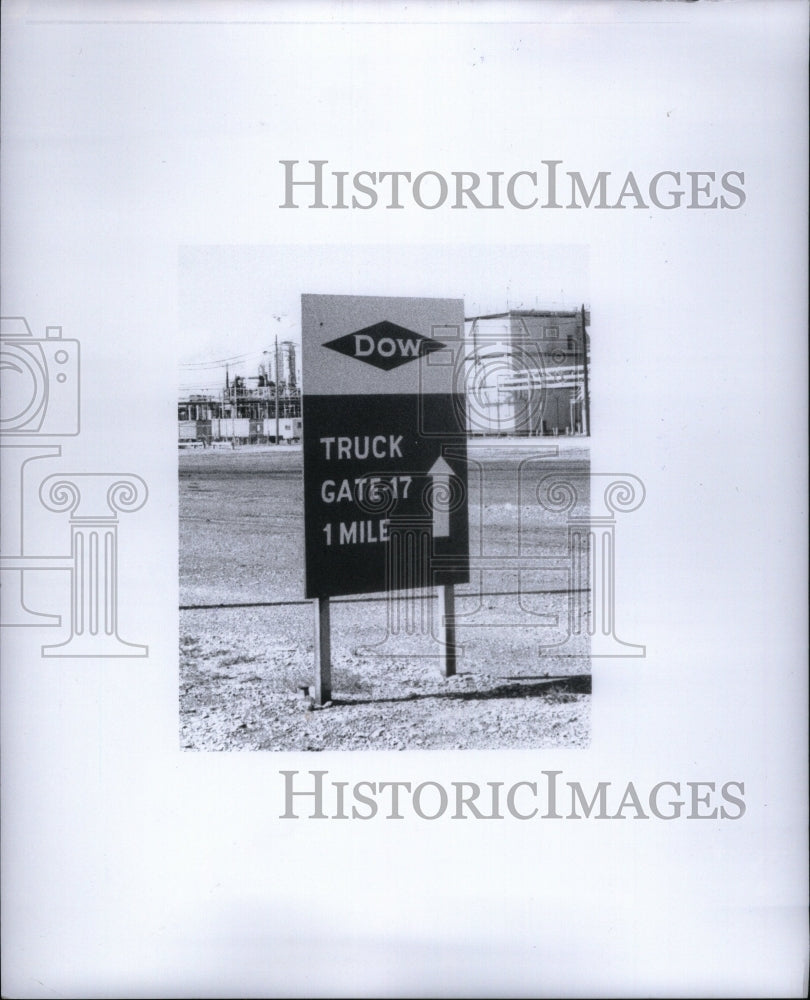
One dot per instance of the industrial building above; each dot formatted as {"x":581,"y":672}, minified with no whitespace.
{"x":526,"y":373}
{"x":266,"y":412}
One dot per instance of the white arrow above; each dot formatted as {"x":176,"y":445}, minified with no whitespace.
{"x":440,"y":472}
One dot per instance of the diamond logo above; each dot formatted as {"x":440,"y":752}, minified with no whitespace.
{"x":384,"y":345}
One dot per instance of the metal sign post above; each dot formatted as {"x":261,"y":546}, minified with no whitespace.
{"x":323,"y":652}
{"x":447,"y":611}
{"x":384,"y":426}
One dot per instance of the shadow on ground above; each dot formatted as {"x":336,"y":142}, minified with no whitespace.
{"x":539,"y":688}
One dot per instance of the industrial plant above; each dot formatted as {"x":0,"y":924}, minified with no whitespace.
{"x":264,"y":408}
{"x":525,"y":373}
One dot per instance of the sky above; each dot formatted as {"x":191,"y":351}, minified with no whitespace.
{"x":235,"y":300}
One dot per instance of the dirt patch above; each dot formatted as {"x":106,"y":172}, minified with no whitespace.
{"x":242,"y":668}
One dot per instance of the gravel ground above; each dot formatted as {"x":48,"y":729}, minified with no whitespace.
{"x":242,"y":669}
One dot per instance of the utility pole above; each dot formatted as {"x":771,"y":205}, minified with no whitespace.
{"x":233,"y":406}
{"x":276,"y":373}
{"x":230,"y":396}
{"x":586,"y":401}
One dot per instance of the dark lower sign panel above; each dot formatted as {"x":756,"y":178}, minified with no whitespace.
{"x":385,"y":493}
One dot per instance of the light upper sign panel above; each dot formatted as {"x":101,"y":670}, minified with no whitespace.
{"x":356,"y":345}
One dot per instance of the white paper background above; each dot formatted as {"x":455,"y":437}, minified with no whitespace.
{"x":132,"y":869}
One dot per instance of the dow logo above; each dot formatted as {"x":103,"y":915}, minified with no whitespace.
{"x":384,"y":345}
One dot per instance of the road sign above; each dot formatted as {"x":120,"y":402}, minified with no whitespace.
{"x":385,"y":455}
